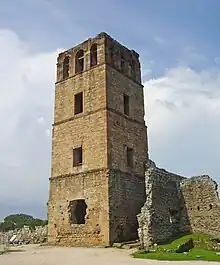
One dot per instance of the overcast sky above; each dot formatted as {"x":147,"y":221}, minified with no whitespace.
{"x":178,"y":42}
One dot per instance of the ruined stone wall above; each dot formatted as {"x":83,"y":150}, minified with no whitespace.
{"x":93,"y":188}
{"x":161,"y":213}
{"x":203,"y":204}
{"x":126,"y":197}
{"x":176,"y":205}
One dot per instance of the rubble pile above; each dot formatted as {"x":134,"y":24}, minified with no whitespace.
{"x":25,"y":235}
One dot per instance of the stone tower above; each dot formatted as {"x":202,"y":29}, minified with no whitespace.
{"x":99,"y":145}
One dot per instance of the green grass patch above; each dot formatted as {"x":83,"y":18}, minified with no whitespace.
{"x":203,"y":249}
{"x":201,"y":241}
{"x":194,"y":254}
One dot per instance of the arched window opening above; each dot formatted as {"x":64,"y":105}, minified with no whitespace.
{"x":122,"y":61}
{"x":133,"y":69}
{"x":93,"y":55}
{"x":111,"y":53}
{"x":66,"y":67}
{"x":79,"y":61}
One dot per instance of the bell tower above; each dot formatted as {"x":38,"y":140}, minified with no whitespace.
{"x":99,"y":145}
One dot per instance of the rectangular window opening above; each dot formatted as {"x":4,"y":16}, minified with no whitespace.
{"x":77,"y":156}
{"x":126,"y":105}
{"x":77,"y":211}
{"x":78,"y":102}
{"x":129,"y":157}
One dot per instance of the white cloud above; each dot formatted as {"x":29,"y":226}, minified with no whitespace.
{"x":183,"y":113}
{"x":26,"y":109}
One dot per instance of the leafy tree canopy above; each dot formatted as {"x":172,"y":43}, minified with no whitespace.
{"x":15,"y":221}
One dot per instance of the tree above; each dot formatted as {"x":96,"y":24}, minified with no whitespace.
{"x":14,"y":221}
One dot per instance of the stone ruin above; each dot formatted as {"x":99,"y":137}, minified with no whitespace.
{"x":24,"y":236}
{"x":95,"y":197}
{"x":176,"y":205}
{"x":99,"y":149}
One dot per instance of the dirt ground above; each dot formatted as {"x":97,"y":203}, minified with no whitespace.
{"x":36,"y":255}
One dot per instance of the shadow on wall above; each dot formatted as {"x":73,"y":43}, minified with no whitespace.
{"x":164,"y":215}
{"x":184,"y":225}
{"x":169,"y":218}
{"x":127,"y":196}
{"x":176,"y":205}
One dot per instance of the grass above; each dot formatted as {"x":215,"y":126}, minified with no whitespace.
{"x":203,"y":250}
{"x":201,"y":241}
{"x":194,"y":254}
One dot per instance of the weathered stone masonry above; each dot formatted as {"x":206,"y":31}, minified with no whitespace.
{"x":176,"y":205}
{"x":99,"y":145}
{"x":78,"y":186}
{"x":158,"y":220}
{"x":102,"y":183}
{"x":203,"y":204}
